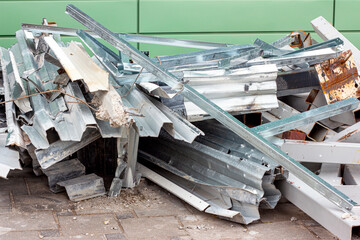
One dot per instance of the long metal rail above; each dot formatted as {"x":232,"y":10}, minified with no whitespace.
{"x":138,"y":38}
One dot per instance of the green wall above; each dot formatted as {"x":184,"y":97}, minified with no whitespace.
{"x":229,"y":21}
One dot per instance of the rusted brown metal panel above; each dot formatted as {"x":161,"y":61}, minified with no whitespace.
{"x":295,"y":135}
{"x":339,"y":78}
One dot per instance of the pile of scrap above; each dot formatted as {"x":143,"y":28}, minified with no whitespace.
{"x":228,"y":129}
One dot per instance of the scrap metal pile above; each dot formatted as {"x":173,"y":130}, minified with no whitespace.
{"x":228,"y":128}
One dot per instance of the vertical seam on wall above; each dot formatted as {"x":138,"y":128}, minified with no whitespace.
{"x":138,"y":21}
{"x":334,"y":12}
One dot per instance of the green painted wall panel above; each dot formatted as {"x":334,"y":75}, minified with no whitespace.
{"x":353,"y":37}
{"x":158,"y":50}
{"x":346,"y":14}
{"x":6,"y":42}
{"x":159,"y":16}
{"x":117,"y":15}
{"x":229,"y":21}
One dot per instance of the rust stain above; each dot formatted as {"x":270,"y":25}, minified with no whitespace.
{"x":301,"y":39}
{"x":294,"y":134}
{"x":339,"y":78}
{"x":347,"y":135}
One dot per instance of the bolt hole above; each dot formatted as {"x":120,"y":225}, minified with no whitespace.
{"x":356,"y":85}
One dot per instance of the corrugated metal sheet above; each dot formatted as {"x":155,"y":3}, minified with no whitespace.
{"x":57,"y":123}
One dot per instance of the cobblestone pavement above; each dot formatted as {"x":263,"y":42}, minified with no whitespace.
{"x":30,"y":211}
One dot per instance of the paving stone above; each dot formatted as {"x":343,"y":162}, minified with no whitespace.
{"x":282,"y":212}
{"x":67,"y":212}
{"x":162,"y":207}
{"x":19,"y":235}
{"x":5,"y":199}
{"x":25,"y":172}
{"x":88,"y":224}
{"x":209,"y":227}
{"x":50,"y":233}
{"x":30,"y":203}
{"x":280,"y":231}
{"x":80,"y":236}
{"x":92,"y":211}
{"x":188,"y":218}
{"x":115,"y":236}
{"x":163,"y":217}
{"x":16,"y":185}
{"x":321,"y":232}
{"x":181,"y":238}
{"x":310,"y":223}
{"x":209,"y":219}
{"x":125,"y":215}
{"x":4,"y":210}
{"x":38,"y":185}
{"x":24,"y":221}
{"x":152,"y":227}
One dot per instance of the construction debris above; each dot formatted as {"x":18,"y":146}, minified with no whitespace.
{"x":221,"y":128}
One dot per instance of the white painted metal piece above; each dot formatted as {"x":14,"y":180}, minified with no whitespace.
{"x":322,"y":152}
{"x":326,"y":31}
{"x":320,"y":208}
{"x":78,"y":65}
{"x":173,"y":188}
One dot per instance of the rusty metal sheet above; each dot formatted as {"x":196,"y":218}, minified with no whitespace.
{"x":301,"y":39}
{"x":294,"y":134}
{"x":339,"y":78}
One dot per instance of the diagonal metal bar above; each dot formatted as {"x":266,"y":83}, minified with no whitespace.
{"x":335,"y":196}
{"x":138,"y":38}
{"x":301,"y":119}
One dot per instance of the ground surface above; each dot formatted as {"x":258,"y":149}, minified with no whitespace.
{"x":28,"y":210}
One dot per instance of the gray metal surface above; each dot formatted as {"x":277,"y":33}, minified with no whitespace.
{"x":9,"y":158}
{"x":236,"y":90}
{"x":205,"y":171}
{"x":59,"y":150}
{"x":305,"y":118}
{"x":62,"y":171}
{"x":84,"y":187}
{"x":15,"y":137}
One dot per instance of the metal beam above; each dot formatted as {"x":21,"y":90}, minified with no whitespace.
{"x":322,"y":152}
{"x":304,"y":118}
{"x":188,"y":197}
{"x":326,"y":31}
{"x":128,"y":37}
{"x":215,"y":111}
{"x":319,"y":208}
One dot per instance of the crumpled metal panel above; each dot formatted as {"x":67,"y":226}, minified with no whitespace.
{"x":9,"y":158}
{"x":59,"y":150}
{"x":236,"y":90}
{"x":69,"y":125}
{"x":58,"y":124}
{"x":152,"y":115}
{"x":79,"y":65}
{"x":226,"y":181}
{"x":48,"y":115}
{"x":15,"y":137}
